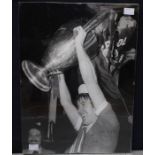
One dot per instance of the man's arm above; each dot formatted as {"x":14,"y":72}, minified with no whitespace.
{"x":87,"y":71}
{"x":66,"y":103}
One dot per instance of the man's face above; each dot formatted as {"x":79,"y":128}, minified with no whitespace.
{"x":126,"y":23}
{"x":34,"y":136}
{"x":86,"y":110}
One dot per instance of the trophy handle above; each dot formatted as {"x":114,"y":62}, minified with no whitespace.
{"x":96,"y":20}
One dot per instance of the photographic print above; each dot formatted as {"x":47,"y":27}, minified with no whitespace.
{"x":77,"y":76}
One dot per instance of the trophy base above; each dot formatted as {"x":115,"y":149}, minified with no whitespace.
{"x":36,"y":75}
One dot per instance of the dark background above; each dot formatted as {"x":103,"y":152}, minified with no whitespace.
{"x":34,"y":28}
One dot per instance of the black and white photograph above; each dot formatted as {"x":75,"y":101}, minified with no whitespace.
{"x":77,"y":76}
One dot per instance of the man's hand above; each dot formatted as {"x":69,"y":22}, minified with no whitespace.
{"x":79,"y":35}
{"x":61,"y":77}
{"x":56,"y":72}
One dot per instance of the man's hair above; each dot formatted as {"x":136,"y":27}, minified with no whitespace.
{"x":85,"y":96}
{"x":35,"y":126}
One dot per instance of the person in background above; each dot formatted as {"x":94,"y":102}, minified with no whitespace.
{"x":114,"y":53}
{"x":35,"y":143}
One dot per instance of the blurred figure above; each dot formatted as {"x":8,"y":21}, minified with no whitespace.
{"x":35,"y":143}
